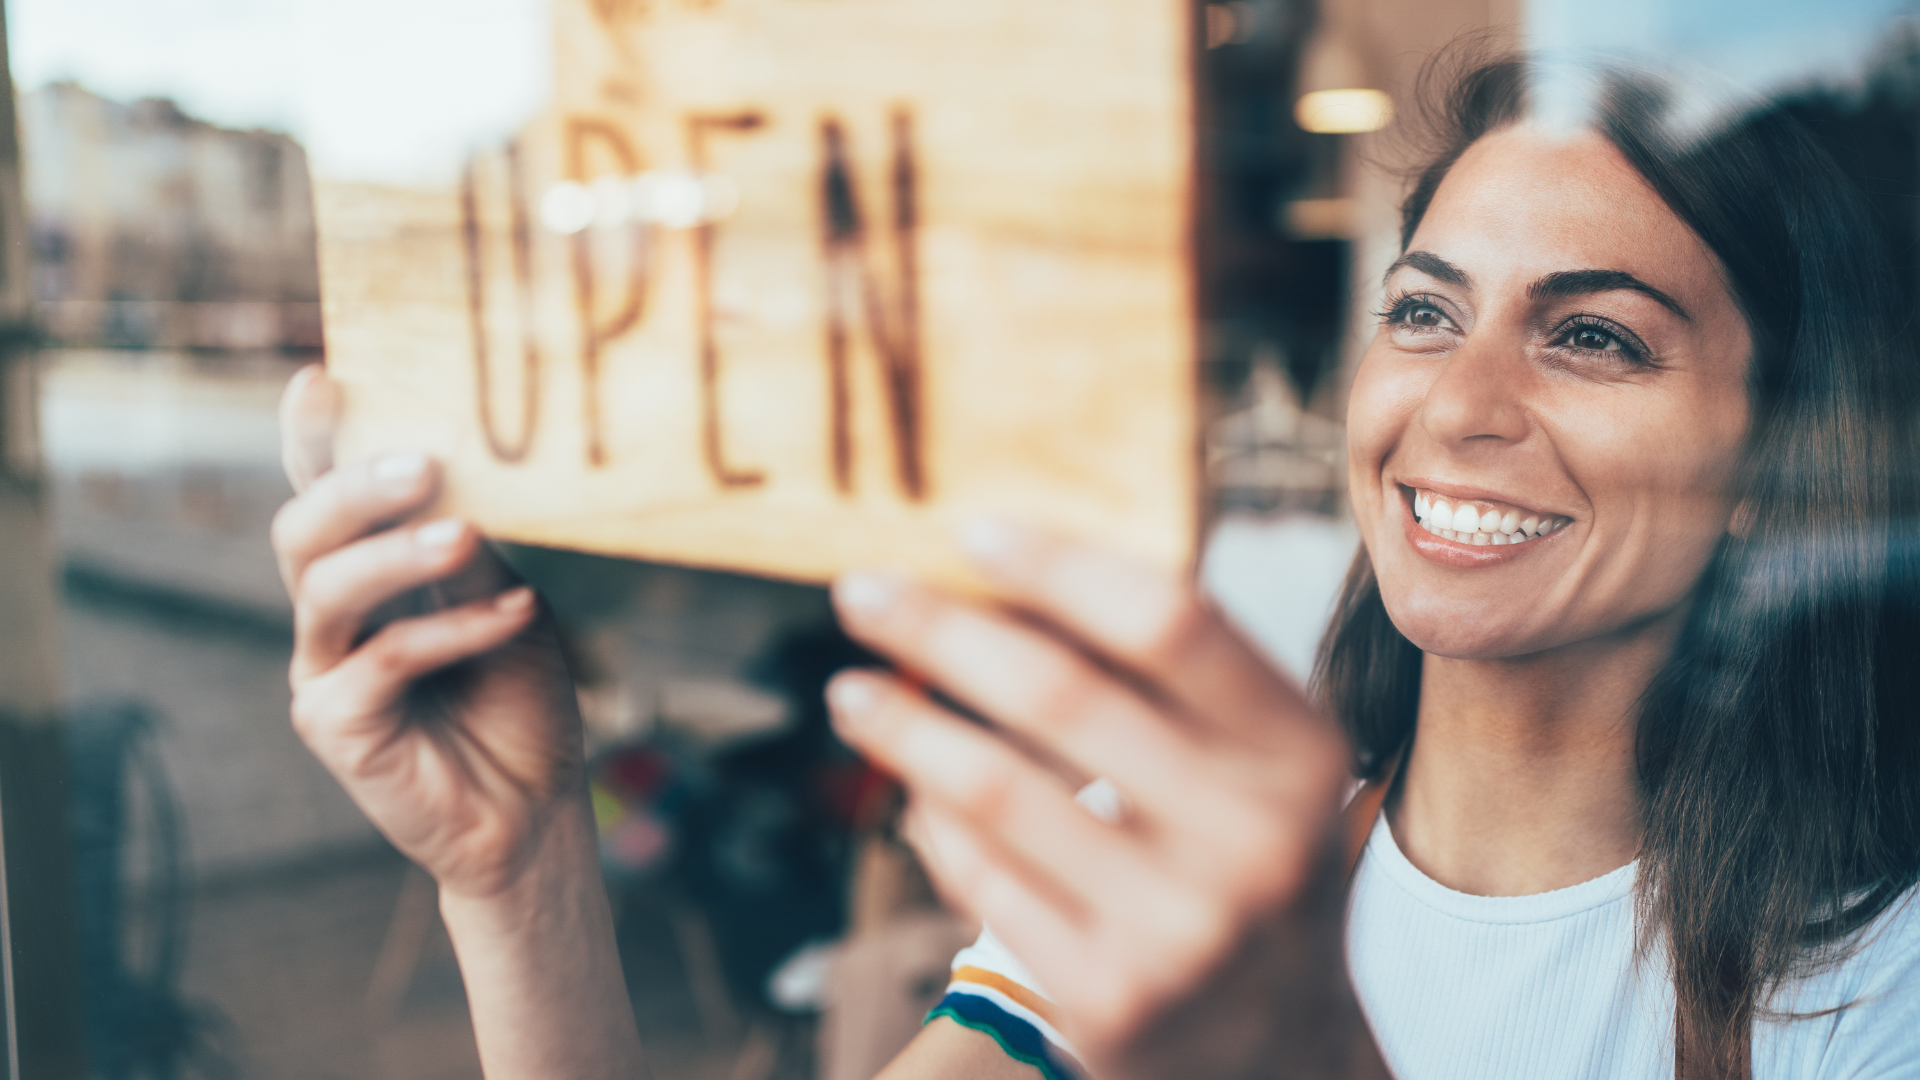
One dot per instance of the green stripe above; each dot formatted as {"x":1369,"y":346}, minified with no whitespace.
{"x":1046,"y":1067}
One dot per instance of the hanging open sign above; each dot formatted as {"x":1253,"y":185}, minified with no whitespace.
{"x":785,"y":286}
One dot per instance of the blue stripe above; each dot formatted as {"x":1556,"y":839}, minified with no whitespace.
{"x":1021,"y":1040}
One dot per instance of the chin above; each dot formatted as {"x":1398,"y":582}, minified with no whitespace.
{"x":1434,"y":625}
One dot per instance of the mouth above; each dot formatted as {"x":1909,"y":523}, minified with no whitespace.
{"x":1481,"y":523}
{"x":1465,"y":533}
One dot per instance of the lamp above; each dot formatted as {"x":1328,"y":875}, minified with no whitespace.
{"x":1335,"y":98}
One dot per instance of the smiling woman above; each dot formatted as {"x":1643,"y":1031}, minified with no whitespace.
{"x":1680,"y":353}
{"x":1624,"y":658}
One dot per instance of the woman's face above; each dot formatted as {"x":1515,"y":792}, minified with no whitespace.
{"x":1541,"y":434}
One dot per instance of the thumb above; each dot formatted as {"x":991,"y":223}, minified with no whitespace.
{"x":309,"y":413}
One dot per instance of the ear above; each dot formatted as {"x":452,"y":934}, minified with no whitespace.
{"x":1743,"y":517}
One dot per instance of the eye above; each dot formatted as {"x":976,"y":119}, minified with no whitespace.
{"x":1591,"y":335}
{"x":1594,"y":338}
{"x":1415,"y":312}
{"x":1424,"y":315}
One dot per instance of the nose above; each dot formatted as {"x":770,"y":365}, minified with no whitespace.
{"x":1476,"y":398}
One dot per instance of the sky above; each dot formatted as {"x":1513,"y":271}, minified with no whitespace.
{"x":401,"y":90}
{"x":1758,"y":45}
{"x":1720,"y":53}
{"x":229,"y":60}
{"x":393,"y":90}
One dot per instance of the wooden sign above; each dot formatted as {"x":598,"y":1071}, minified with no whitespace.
{"x":789,"y":286}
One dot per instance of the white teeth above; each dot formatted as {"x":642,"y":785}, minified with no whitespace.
{"x":1466,"y":523}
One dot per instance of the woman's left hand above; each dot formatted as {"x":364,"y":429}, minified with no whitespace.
{"x":1199,"y":937}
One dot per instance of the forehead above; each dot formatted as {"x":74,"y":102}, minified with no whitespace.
{"x":1525,"y":202}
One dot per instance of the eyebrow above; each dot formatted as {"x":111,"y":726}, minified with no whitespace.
{"x":1565,"y":283}
{"x":1433,"y":266}
{"x":1581,"y":282}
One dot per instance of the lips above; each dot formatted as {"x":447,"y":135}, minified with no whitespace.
{"x":1481,"y":522}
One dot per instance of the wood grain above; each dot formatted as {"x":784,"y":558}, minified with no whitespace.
{"x":958,"y":279}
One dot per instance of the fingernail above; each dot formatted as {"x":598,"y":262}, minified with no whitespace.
{"x":514,"y":601}
{"x":439,"y":534}
{"x":399,"y":469}
{"x":991,"y":541}
{"x":850,"y":695}
{"x":866,"y":593}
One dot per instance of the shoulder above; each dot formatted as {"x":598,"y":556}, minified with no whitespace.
{"x":1884,"y":961}
{"x":1859,"y":1016}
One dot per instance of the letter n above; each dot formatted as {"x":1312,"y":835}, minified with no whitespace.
{"x":854,"y":292}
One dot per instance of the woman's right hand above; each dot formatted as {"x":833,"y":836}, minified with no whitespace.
{"x":454,"y":726}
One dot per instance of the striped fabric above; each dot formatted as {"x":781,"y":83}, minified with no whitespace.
{"x":1021,"y":1021}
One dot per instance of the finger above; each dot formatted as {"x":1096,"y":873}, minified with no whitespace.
{"x":970,"y":877}
{"x":926,"y":844}
{"x":1140,"y":943}
{"x":1025,"y":811}
{"x":339,"y":590}
{"x":484,"y":575}
{"x":1033,"y":684}
{"x":1097,"y":972}
{"x":347,"y":504}
{"x":1148,"y":620}
{"x":309,"y":412}
{"x":353,"y":700}
{"x":1109,"y":973}
{"x":1023,"y":818}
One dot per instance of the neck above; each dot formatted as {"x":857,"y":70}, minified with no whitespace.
{"x":1521,"y":778}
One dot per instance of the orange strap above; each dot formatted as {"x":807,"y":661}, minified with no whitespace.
{"x":1040,"y":1006}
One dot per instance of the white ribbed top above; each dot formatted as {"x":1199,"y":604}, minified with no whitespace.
{"x":1525,"y":987}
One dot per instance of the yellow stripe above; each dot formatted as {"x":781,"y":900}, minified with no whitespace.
{"x":1039,"y":1006}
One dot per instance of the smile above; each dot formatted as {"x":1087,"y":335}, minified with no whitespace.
{"x":1481,"y":523}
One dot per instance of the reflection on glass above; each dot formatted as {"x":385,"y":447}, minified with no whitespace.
{"x":243,"y":913}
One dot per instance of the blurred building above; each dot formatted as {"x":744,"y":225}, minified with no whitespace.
{"x":152,"y":229}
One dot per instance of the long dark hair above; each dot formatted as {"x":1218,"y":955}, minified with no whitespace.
{"x":1778,"y":752}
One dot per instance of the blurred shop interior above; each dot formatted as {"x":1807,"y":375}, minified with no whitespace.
{"x":236,"y":917}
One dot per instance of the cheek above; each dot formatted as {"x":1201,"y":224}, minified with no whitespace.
{"x":1672,"y":464}
{"x":1381,"y":405}
{"x":1658,"y":480}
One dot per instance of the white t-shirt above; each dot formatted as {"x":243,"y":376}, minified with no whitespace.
{"x":1530,"y":987}
{"x":1495,"y":987}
